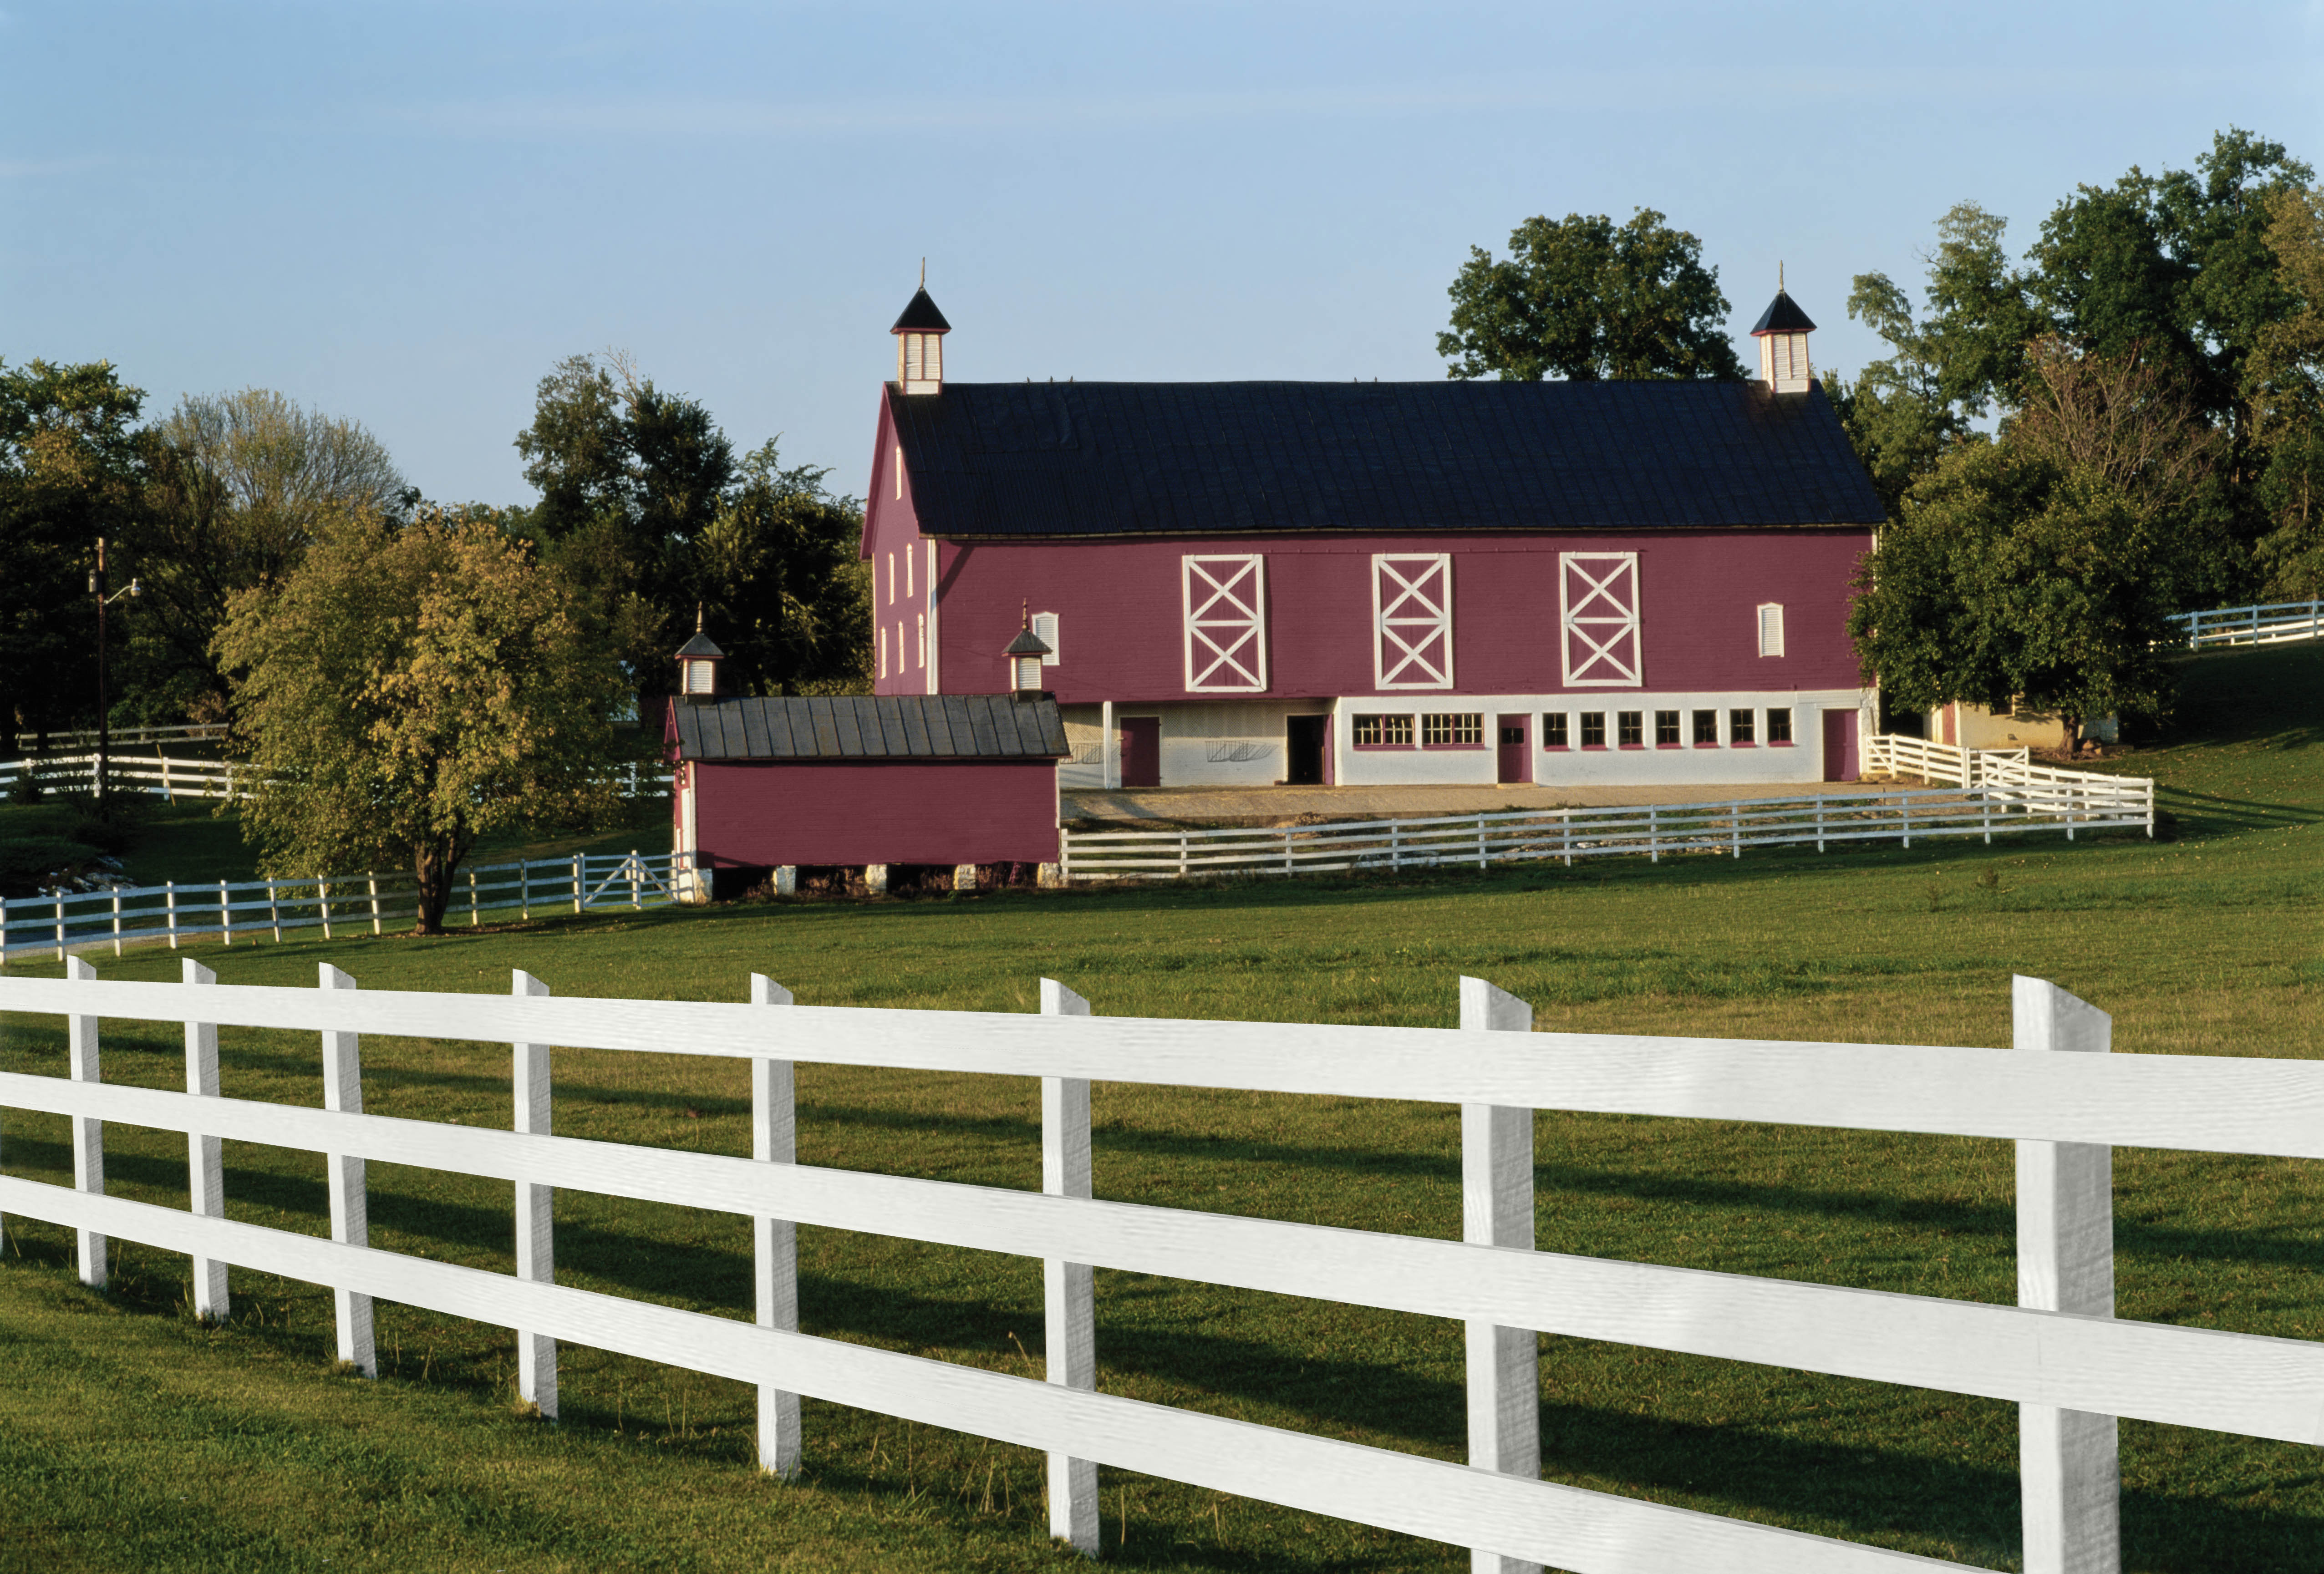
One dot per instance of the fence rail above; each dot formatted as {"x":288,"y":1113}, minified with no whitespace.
{"x":2060,"y":1354}
{"x":2019,"y":798}
{"x":66,"y":921}
{"x":2275,"y":623}
{"x":163,"y":776}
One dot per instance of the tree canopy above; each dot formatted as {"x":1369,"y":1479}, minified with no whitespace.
{"x":1580,"y":299}
{"x":649,"y":515}
{"x":2197,"y":276}
{"x":410,"y":687}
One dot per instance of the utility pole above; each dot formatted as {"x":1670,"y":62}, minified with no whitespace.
{"x":103,"y":701}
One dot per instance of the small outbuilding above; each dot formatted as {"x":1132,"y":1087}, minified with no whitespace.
{"x":769,"y":786}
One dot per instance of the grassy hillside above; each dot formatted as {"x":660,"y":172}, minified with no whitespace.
{"x":130,"y":1438}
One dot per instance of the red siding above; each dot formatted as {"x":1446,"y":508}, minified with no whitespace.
{"x":1121,"y":629}
{"x":871,"y":811}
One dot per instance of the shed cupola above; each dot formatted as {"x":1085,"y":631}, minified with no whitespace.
{"x":919,"y":343}
{"x":1025,"y":653}
{"x":698,"y":665}
{"x":1783,"y":331}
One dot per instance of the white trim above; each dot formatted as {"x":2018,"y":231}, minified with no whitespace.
{"x":881,"y":633}
{"x":1404,"y":609}
{"x":935,"y":635}
{"x":919,"y":638}
{"x":1225,"y":631}
{"x":1603,"y":609}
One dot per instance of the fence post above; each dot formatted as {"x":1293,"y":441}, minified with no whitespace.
{"x":524,"y":887}
{"x":274,"y":909}
{"x":2194,"y":631}
{"x":117,"y":920}
{"x":1653,"y":835}
{"x":204,"y":1169}
{"x":637,"y":888}
{"x":1504,"y":1364}
{"x":1396,"y":845}
{"x":1819,"y":803}
{"x":1734,"y":826}
{"x":1565,"y":834}
{"x":225,"y":916}
{"x":1480,"y":842}
{"x":173,"y":896}
{"x":373,"y":879}
{"x":1908,"y":819}
{"x":1068,"y":1289}
{"x":1182,"y":855}
{"x":774,"y":1140}
{"x":536,"y":1208}
{"x":2069,"y":1472}
{"x":323,"y":903}
{"x":167,"y":795}
{"x":88,"y":1133}
{"x":1289,"y":867}
{"x":2070,"y":811}
{"x":350,"y":1213}
{"x":579,"y":875}
{"x":472,"y":896}
{"x":57,"y":901}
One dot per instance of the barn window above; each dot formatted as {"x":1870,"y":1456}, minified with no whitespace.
{"x":920,"y":640}
{"x":1630,"y":729}
{"x":1598,"y":617}
{"x":909,"y":558}
{"x":1666,"y":729}
{"x":1045,"y":625}
{"x":1412,"y":620}
{"x":883,"y":650}
{"x":1225,"y":604}
{"x":1454,"y":729}
{"x":1383,"y":732}
{"x":1706,"y":729}
{"x":1553,"y":729}
{"x":1771,"y":628}
{"x":1739,"y":729}
{"x":899,"y":472}
{"x":1594,"y":728}
{"x":1779,"y":725}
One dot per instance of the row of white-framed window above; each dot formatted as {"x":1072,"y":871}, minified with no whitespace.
{"x":1731,"y":727}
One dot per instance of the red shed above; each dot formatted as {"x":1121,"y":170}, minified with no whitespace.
{"x":767,"y":785}
{"x":1247,"y":582}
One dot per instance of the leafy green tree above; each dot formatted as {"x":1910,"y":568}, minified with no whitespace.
{"x":2011,"y":579}
{"x":69,"y":469}
{"x":234,"y":487}
{"x":780,"y":584}
{"x":2285,"y":380}
{"x":1580,"y":299}
{"x":630,"y":477}
{"x":406,"y":690}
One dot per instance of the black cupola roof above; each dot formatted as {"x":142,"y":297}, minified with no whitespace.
{"x":921,"y":316}
{"x":1783,"y":316}
{"x":699,"y":647}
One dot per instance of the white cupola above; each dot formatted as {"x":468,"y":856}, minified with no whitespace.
{"x":698,"y":665}
{"x":1783,"y":331}
{"x":919,"y":343}
{"x":1025,"y":653}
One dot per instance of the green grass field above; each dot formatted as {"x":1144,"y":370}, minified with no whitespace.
{"x":132,"y":1438}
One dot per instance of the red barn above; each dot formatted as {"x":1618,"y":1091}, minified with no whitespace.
{"x":769,"y":784}
{"x":1252,"y":583}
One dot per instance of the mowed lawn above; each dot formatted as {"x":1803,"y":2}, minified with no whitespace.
{"x":132,"y":1438}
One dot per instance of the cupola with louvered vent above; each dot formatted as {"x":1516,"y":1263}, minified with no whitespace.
{"x":1783,"y":331}
{"x":919,"y":343}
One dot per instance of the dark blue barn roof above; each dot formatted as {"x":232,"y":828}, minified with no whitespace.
{"x":1010,"y":459}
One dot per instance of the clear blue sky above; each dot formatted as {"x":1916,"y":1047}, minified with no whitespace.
{"x":405,"y":213}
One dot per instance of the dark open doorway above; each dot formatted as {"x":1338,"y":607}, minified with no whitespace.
{"x":1305,"y":741}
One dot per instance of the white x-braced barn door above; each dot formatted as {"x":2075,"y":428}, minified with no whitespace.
{"x":1598,"y":618}
{"x":1412,"y":620}
{"x":1226,"y":623}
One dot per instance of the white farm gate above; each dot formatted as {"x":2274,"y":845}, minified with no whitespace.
{"x":2059,"y":1353}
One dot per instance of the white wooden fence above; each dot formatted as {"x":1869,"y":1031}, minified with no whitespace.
{"x":171,"y":778}
{"x":2036,"y":799}
{"x":2272,"y":624}
{"x":64,"y":921}
{"x":2059,"y":1354}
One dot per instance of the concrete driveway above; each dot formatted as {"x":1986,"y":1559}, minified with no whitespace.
{"x":1274,"y":805}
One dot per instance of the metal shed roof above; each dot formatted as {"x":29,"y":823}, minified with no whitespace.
{"x":1009,"y":460}
{"x":873,"y":727}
